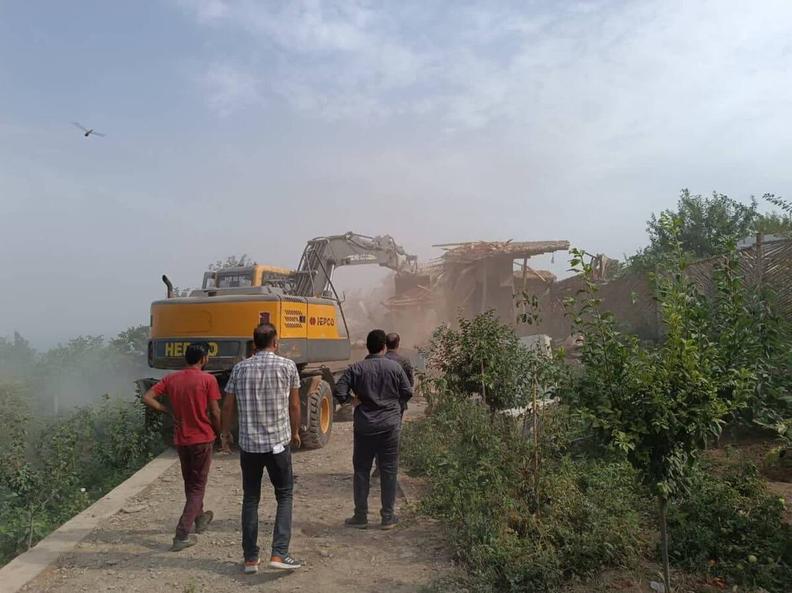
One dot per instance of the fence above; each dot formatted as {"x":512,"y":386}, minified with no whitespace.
{"x":763,"y":265}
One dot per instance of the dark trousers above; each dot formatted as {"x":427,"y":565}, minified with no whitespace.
{"x":195,"y":461}
{"x":385,"y":447}
{"x":279,"y":469}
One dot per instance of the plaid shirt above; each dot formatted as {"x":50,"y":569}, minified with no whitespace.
{"x":261,"y":385}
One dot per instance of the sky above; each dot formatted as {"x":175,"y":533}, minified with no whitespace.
{"x":242,"y":127}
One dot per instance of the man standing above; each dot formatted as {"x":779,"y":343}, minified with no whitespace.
{"x":266,"y":390}
{"x":392,"y":342}
{"x":381,"y":386}
{"x":192,"y":393}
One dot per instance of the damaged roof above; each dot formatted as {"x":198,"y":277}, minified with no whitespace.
{"x":472,"y":252}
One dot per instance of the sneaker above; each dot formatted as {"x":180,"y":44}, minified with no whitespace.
{"x":251,"y":566}
{"x":357,"y":522}
{"x":203,"y":520}
{"x":285,"y":562}
{"x":389,"y":523}
{"x":181,"y":544}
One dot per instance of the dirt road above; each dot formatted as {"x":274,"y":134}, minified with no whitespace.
{"x":129,"y":551}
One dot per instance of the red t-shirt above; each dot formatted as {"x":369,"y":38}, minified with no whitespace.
{"x":189,"y":392}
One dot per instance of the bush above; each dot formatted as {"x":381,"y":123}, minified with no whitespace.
{"x":731,"y":527}
{"x":513,"y":531}
{"x":52,"y":469}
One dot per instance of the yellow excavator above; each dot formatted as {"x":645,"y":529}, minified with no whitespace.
{"x":303,"y":305}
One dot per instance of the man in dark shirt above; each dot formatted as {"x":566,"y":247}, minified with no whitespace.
{"x":382,"y":388}
{"x":392,"y":341}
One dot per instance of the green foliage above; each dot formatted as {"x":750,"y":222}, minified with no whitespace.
{"x":133,"y":342}
{"x":512,"y":532}
{"x":708,"y":225}
{"x":732,"y":527}
{"x":232,"y":261}
{"x":485,"y":358}
{"x":656,"y":405}
{"x":748,"y":334}
{"x":52,"y":469}
{"x":16,"y":356}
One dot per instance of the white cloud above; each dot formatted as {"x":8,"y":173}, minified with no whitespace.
{"x":230,"y":88}
{"x":595,"y":70}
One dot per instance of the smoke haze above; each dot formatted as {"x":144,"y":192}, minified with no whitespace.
{"x":247,"y":127}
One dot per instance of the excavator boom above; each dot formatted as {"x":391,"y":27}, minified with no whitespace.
{"x":323,"y":254}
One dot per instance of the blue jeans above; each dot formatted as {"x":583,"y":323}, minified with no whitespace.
{"x":279,"y":469}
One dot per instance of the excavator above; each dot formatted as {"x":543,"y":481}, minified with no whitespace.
{"x":303,"y":305}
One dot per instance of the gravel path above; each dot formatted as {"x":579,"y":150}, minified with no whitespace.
{"x":129,"y":551}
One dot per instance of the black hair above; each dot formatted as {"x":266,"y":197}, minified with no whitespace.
{"x":375,"y":341}
{"x":392,"y":340}
{"x":195,"y":352}
{"x":264,"y":335}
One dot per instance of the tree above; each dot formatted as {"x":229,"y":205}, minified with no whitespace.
{"x":706,"y":225}
{"x":133,"y":342}
{"x":16,"y":356}
{"x":232,"y":261}
{"x":656,"y":405}
{"x":483,"y":357}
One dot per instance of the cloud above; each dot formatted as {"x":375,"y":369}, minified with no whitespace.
{"x":600,"y":71}
{"x":230,"y":88}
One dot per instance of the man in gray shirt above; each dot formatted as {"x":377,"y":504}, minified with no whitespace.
{"x":382,"y":388}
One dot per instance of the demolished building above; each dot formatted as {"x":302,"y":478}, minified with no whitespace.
{"x":468,"y":279}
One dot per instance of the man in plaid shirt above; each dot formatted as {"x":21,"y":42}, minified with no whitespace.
{"x":266,"y":391}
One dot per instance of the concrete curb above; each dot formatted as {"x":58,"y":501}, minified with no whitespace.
{"x":25,"y":567}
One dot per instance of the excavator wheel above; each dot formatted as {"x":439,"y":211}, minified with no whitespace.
{"x":320,"y":407}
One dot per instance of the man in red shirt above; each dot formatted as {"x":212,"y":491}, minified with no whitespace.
{"x":193,"y":396}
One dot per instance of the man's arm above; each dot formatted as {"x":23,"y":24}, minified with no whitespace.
{"x":343,"y":387}
{"x":409,"y":371}
{"x":229,"y":408}
{"x":295,"y":417}
{"x":405,"y":389}
{"x":214,"y":416}
{"x":150,"y":397}
{"x":214,"y":407}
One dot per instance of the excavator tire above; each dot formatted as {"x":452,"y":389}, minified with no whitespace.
{"x":320,"y":408}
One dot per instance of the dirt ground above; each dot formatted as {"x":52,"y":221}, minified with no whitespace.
{"x":129,"y":551}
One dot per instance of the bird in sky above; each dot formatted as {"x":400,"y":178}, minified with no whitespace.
{"x":88,"y":132}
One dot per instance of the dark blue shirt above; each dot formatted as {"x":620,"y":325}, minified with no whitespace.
{"x":383,"y":389}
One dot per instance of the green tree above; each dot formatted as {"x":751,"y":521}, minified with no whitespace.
{"x":17,"y":357}
{"x":657,"y":405}
{"x":483,"y":357}
{"x":706,"y":225}
{"x":133,"y":342}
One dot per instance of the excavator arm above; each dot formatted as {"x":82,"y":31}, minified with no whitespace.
{"x":323,"y":254}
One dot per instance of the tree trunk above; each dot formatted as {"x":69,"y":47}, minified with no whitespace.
{"x":663,"y":506}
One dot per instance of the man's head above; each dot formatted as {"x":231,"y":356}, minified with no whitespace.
{"x":375,"y":342}
{"x":265,"y":337}
{"x":392,"y":341}
{"x":197,"y":354}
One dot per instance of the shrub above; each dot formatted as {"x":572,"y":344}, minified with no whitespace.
{"x":731,"y":527}
{"x":513,"y":532}
{"x":52,"y":469}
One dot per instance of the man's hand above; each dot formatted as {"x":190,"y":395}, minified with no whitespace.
{"x":150,"y":399}
{"x":296,"y":443}
{"x":226,"y":440}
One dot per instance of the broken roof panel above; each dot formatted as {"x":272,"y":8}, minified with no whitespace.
{"x":468,"y":253}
